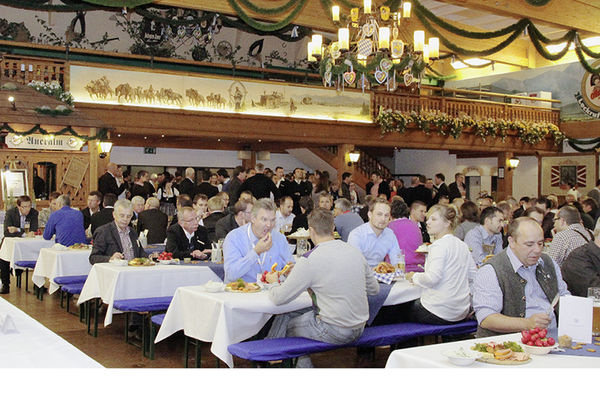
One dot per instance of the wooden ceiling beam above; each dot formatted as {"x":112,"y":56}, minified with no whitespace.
{"x":565,"y":14}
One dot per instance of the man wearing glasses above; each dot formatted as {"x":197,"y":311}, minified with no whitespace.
{"x":570,"y":234}
{"x":188,"y":239}
{"x":19,"y":220}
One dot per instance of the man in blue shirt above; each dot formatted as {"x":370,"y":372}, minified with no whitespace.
{"x":66,"y":223}
{"x":255,"y":247}
{"x":374,"y":239}
{"x":485,"y":240}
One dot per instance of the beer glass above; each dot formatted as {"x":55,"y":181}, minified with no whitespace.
{"x":27,"y":226}
{"x":594,"y":293}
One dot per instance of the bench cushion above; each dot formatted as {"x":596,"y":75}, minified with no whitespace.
{"x":73,"y":289}
{"x":158,"y":319}
{"x":143,"y":305}
{"x":25,"y":264}
{"x":292,"y":347}
{"x":65,"y":280}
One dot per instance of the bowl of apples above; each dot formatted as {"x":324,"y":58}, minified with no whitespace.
{"x":536,"y":342}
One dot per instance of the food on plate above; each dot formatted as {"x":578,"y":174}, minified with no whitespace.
{"x":508,"y":351}
{"x":536,"y":337}
{"x":165,"y":256}
{"x":565,"y":341}
{"x":590,"y":350}
{"x":79,"y":246}
{"x":300,"y":233}
{"x":384,"y":268}
{"x":242,"y":286}
{"x":139,"y":262}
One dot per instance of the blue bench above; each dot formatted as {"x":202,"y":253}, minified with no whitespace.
{"x":70,"y":285}
{"x":145,"y":306}
{"x":154,"y":320}
{"x":24,"y":265}
{"x":375,"y":336}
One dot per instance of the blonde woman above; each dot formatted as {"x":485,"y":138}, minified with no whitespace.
{"x":449,"y":270}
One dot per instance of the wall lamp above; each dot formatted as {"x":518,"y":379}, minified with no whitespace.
{"x":104,"y":148}
{"x":11,"y":99}
{"x":513,"y":163}
{"x":353,"y":156}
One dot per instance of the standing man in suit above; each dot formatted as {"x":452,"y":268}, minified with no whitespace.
{"x":154,"y":221}
{"x":378,"y":186}
{"x":111,"y":182}
{"x":232,"y":187}
{"x":105,"y":215}
{"x":117,"y":240}
{"x":260,"y":186}
{"x":93,"y":206}
{"x":187,"y":239}
{"x":457,"y":188}
{"x":15,"y":224}
{"x":205,"y":187}
{"x":188,"y":185}
{"x":421,"y":193}
{"x":297,"y":189}
{"x":442,"y":188}
{"x":345,"y":185}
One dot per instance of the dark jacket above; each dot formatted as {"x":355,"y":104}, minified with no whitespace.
{"x":232,"y":189}
{"x":454,"y":192}
{"x":420,"y":193}
{"x":102,"y":217}
{"x":155,"y":222}
{"x":548,"y":224}
{"x":188,"y":187}
{"x":87,"y":217}
{"x":140,"y":190}
{"x":296,"y":191}
{"x":345,"y":191}
{"x":13,"y":219}
{"x":210,"y":223}
{"x":106,"y":242}
{"x":384,"y":188}
{"x":441,"y":190}
{"x":225,"y":225}
{"x":260,"y":186}
{"x":108,"y":184}
{"x":581,"y":269}
{"x":207,"y":189}
{"x":178,"y":244}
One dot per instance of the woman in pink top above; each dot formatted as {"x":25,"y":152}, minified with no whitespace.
{"x":408,"y":234}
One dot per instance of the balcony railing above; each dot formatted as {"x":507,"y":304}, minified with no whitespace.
{"x":22,"y":70}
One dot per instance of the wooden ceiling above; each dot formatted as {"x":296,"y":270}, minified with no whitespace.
{"x":552,"y":19}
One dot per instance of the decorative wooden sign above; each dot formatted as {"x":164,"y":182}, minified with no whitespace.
{"x":75,"y":172}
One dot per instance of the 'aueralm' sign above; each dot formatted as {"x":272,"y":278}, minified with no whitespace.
{"x":43,"y":142}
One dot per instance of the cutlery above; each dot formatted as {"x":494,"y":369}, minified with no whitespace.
{"x":554,"y":303}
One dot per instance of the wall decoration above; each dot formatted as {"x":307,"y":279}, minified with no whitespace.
{"x":559,"y":171}
{"x":14,"y":183}
{"x":97,"y":85}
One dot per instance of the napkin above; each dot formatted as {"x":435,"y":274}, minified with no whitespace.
{"x":387,"y":278}
{"x":7,"y":325}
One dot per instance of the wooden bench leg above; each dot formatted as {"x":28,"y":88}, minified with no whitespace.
{"x":198,"y":353}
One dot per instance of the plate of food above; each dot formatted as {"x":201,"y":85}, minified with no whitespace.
{"x":80,"y":246}
{"x":384,"y":268}
{"x":242,"y":286}
{"x":141,"y":262}
{"x":507,"y":353}
{"x":462,"y":356}
{"x":301,"y":233}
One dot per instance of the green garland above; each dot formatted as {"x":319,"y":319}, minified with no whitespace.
{"x":100,"y":135}
{"x":118,"y":3}
{"x":267,"y":11}
{"x":574,"y":142}
{"x":45,"y":110}
{"x":537,"y":3}
{"x":267,"y":26}
{"x":530,"y":133}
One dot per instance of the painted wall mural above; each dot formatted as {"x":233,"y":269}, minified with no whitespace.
{"x":559,"y":171}
{"x":123,"y":87}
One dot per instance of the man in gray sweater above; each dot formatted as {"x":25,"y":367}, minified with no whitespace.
{"x":338,"y":279}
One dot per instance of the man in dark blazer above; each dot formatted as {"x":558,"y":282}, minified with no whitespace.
{"x":205,"y":187}
{"x":187,"y":239}
{"x":105,"y":215}
{"x":215,"y":207}
{"x":421,"y":193}
{"x":117,"y":240}
{"x":232,"y":187}
{"x":107,"y":183}
{"x":298,"y":188}
{"x":238,"y":217}
{"x":382,"y":188}
{"x":188,"y":185}
{"x":260,"y":186}
{"x":442,"y":188}
{"x":14,"y":226}
{"x":456,"y":189}
{"x":154,"y":221}
{"x":94,"y":203}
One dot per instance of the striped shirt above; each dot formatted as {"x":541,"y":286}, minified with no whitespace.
{"x":566,"y":241}
{"x":126,"y":243}
{"x":488,"y":298}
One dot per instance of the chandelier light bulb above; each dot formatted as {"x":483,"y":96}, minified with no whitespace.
{"x":434,"y":47}
{"x":419,"y":40}
{"x":384,"y":38}
{"x":406,"y":7}
{"x":335,"y":13}
{"x":344,"y":38}
{"x":367,"y":6}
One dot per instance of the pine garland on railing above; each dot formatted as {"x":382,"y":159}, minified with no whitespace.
{"x":530,"y":133}
{"x":100,"y":135}
{"x":267,"y":26}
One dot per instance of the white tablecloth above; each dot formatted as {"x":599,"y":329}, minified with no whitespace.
{"x":22,"y":248}
{"x":36,"y":346}
{"x":111,"y":282}
{"x":431,"y":356}
{"x":225,"y":318}
{"x":53,"y":263}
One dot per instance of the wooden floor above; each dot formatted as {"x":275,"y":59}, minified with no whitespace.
{"x":110,"y":349}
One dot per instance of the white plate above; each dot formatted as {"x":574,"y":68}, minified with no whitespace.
{"x":118,"y":262}
{"x":461,"y":356}
{"x":214,"y":286}
{"x":533,"y":350}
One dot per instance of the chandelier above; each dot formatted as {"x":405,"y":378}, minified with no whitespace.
{"x":369,"y":51}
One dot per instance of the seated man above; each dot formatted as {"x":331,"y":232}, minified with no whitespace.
{"x":284,"y":216}
{"x":255,"y":247}
{"x":154,"y":221}
{"x":93,"y":206}
{"x":374,"y":239}
{"x":581,"y":269}
{"x":44,"y":214}
{"x":338,"y":279}
{"x":139,"y":203}
{"x":499,"y":297}
{"x":325,"y":200}
{"x":239,"y":216}
{"x":66,"y":224}
{"x":418,"y":211}
{"x":345,"y":219}
{"x":116,"y":240}
{"x":485,"y":239}
{"x":570,"y":234}
{"x":15,"y":224}
{"x":215,"y":207}
{"x":187,"y":239}
{"x":105,"y":215}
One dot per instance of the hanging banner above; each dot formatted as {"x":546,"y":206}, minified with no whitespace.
{"x":43,"y":142}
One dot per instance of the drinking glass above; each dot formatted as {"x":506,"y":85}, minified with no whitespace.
{"x":594,"y":293}
{"x":401,"y":262}
{"x":27,"y":226}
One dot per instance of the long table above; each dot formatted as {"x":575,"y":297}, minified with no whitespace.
{"x":36,"y":346}
{"x":53,"y":263}
{"x":430,"y":356}
{"x":110,"y":282}
{"x":16,"y":249}
{"x":225,"y":318}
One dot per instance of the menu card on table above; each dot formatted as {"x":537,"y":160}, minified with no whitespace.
{"x":575,"y":318}
{"x":7,"y":325}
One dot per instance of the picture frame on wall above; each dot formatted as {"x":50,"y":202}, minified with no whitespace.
{"x":14,"y":183}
